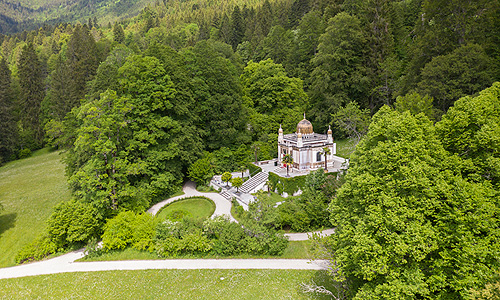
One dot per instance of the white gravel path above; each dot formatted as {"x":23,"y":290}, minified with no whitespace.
{"x":222,"y":205}
{"x":66,"y":263}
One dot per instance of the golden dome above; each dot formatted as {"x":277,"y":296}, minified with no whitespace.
{"x":304,"y":127}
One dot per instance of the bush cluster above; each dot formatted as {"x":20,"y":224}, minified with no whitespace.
{"x":187,"y":236}
{"x":40,"y":248}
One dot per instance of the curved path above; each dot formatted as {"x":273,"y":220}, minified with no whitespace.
{"x":222,"y":205}
{"x":66,"y":263}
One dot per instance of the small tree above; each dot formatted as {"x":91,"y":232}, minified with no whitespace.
{"x":326,"y":151}
{"x":237,"y":182}
{"x":226,"y":177}
{"x":288,"y":161}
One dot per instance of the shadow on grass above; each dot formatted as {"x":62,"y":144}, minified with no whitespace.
{"x":7,"y":221}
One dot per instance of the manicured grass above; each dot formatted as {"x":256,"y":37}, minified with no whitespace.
{"x":29,"y":189}
{"x":345,"y":147}
{"x":167,"y":284}
{"x":295,"y":250}
{"x":196,"y":207}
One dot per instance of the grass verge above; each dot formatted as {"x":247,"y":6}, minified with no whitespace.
{"x":195,"y":207}
{"x":29,"y":189}
{"x":167,"y":284}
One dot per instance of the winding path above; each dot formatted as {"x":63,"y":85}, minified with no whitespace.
{"x":222,"y":205}
{"x":66,"y":263}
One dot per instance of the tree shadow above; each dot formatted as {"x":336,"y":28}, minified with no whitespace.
{"x":7,"y":221}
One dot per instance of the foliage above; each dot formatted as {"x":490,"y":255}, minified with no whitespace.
{"x":237,"y":182}
{"x":226,"y":177}
{"x":406,"y":221}
{"x":8,"y":130}
{"x":465,"y":71}
{"x":253,"y":169}
{"x":289,"y":185}
{"x":471,"y":129}
{"x":415,"y":103}
{"x":129,"y":229}
{"x":352,"y":120}
{"x":38,"y":249}
{"x":73,"y":223}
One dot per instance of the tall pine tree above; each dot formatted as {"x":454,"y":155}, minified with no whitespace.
{"x":32,"y":92}
{"x":8,"y":128}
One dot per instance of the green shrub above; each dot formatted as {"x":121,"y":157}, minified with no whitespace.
{"x":129,"y":229}
{"x":174,"y":238}
{"x":24,"y":153}
{"x":73,"y":222}
{"x":40,"y":248}
{"x":253,"y":169}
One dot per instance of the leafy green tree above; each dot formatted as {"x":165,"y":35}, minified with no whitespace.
{"x":73,"y":222}
{"x":202,"y":170}
{"x":8,"y":130}
{"x":407,"y":224}
{"x":237,"y":182}
{"x":277,"y":44}
{"x":339,"y":76}
{"x":226,"y":177}
{"x":465,"y":71}
{"x":268,"y":88}
{"x":32,"y":92}
{"x":471,"y":129}
{"x":353,"y":121}
{"x":415,"y":103}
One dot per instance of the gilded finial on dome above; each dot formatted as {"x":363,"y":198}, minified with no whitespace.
{"x":280,"y":130}
{"x":329,"y":129}
{"x":304,"y":126}
{"x":299,"y":135}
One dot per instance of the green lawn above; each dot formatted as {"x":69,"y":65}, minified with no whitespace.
{"x":345,"y":147}
{"x":196,"y":207}
{"x":167,"y":284}
{"x":29,"y":189}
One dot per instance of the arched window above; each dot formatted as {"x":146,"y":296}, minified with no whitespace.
{"x":318,"y":156}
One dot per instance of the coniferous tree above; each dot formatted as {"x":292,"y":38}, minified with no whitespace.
{"x":118,"y":33}
{"x":82,"y":62}
{"x":32,"y":92}
{"x":237,"y":28}
{"x":8,"y":129}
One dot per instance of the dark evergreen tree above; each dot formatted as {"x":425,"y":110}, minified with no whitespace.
{"x":32,"y":92}
{"x":8,"y":128}
{"x":237,"y":28}
{"x":118,"y":33}
{"x":298,"y":10}
{"x":59,"y":89}
{"x":83,"y":62}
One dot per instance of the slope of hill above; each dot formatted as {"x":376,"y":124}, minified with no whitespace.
{"x":26,"y":15}
{"x":29,"y":189}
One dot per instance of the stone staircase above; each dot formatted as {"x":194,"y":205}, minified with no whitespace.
{"x":254,"y":182}
{"x":226,"y":195}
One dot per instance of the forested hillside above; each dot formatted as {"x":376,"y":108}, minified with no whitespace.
{"x":22,"y":15}
{"x":189,"y":88}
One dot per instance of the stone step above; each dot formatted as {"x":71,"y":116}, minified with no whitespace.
{"x":253,"y":182}
{"x":226,"y":195}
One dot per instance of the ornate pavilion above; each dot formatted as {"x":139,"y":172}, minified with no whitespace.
{"x":306,"y":146}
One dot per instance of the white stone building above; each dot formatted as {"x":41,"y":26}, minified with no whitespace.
{"x":306,"y":147}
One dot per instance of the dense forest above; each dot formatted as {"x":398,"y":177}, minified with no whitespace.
{"x":193,"y":87}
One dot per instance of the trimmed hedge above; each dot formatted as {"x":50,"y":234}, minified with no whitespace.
{"x":289,"y":185}
{"x":253,"y":169}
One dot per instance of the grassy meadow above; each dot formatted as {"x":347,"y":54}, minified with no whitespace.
{"x":29,"y":189}
{"x":167,"y":284}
